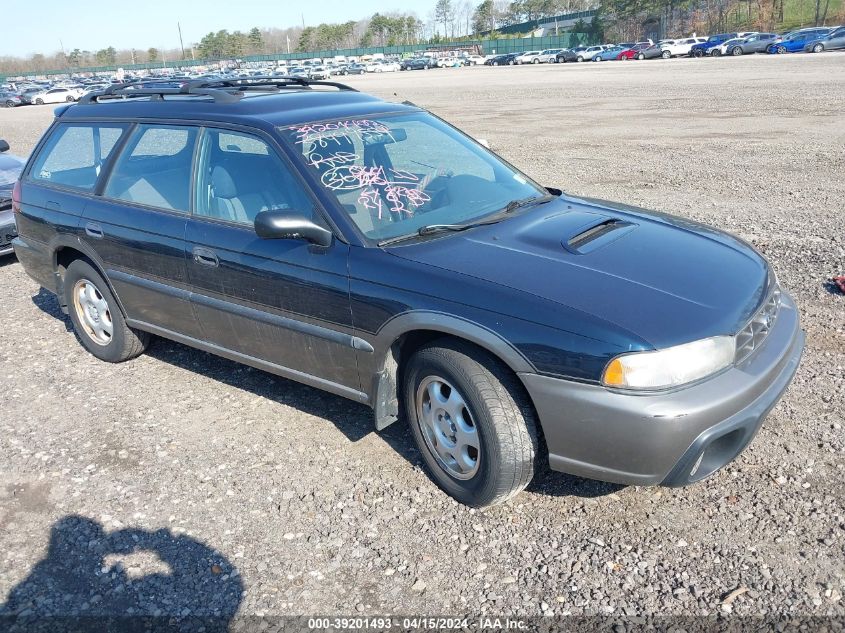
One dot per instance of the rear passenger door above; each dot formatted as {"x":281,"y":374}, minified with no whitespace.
{"x":137,"y":226}
{"x":285,"y":302}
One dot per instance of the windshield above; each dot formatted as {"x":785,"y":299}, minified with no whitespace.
{"x":395,"y":174}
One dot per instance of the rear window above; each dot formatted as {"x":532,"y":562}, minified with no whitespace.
{"x":74,"y":155}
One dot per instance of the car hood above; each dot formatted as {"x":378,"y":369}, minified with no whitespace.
{"x":664,"y":279}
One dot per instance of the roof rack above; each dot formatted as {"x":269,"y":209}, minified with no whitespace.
{"x":220,"y":90}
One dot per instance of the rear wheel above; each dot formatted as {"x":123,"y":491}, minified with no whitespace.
{"x":69,"y":99}
{"x":580,"y":59}
{"x":818,"y":48}
{"x":666,"y":55}
{"x":97,"y":318}
{"x":535,"y":61}
{"x":781,"y":50}
{"x":715,"y":52}
{"x":597,"y":58}
{"x":472,"y":422}
{"x":736,"y":51}
{"x":641,"y":57}
{"x":10,"y":104}
{"x":39,"y":101}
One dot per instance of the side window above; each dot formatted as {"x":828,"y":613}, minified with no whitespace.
{"x":155,"y":167}
{"x":240,"y":175}
{"x":74,"y":155}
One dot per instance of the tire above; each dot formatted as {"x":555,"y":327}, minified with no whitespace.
{"x":641,"y":57}
{"x":781,"y":50}
{"x":715,"y":52}
{"x":580,"y":59}
{"x":698,"y":53}
{"x":92,"y":307}
{"x":495,"y":412}
{"x":495,"y":64}
{"x":511,"y":63}
{"x":69,"y":99}
{"x":535,"y":61}
{"x":10,"y":104}
{"x":818,"y":48}
{"x":39,"y":101}
{"x":666,"y":55}
{"x":736,"y":51}
{"x":597,"y":58}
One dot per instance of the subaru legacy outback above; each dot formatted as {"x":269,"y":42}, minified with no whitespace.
{"x":372,"y":250}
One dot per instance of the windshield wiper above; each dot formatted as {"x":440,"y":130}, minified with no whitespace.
{"x":433,"y":229}
{"x":513,"y":205}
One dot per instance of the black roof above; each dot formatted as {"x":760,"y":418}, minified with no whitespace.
{"x":281,"y":105}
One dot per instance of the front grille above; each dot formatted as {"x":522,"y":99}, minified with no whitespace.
{"x":755,"y":332}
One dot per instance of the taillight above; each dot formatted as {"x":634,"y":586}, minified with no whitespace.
{"x":16,"y":197}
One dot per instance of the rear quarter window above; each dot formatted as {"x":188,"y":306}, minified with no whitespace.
{"x":74,"y":154}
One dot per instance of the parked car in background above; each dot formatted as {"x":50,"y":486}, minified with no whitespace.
{"x":472,"y":60}
{"x":54,"y":95}
{"x":722,"y":49}
{"x":507,"y":59}
{"x":631,"y":52}
{"x":449,"y":62}
{"x":682,"y":47}
{"x":713,"y":42}
{"x":11,"y":99}
{"x":356,"y":69}
{"x":300,"y":71}
{"x":650,"y":52}
{"x":757,"y":43}
{"x":529,"y":57}
{"x":588,"y":53}
{"x":566,"y":55}
{"x":320,"y":72}
{"x":548,"y":56}
{"x":417,"y":63}
{"x":609,"y":54}
{"x":796,"y":42}
{"x":10,"y":171}
{"x":835,"y":40}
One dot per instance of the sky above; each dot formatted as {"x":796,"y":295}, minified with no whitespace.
{"x":40,"y":25}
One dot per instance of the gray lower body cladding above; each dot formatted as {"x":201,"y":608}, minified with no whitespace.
{"x":670,"y":438}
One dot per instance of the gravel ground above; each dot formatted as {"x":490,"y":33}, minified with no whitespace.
{"x":181,"y":483}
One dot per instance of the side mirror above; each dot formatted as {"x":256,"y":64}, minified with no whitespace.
{"x":4,"y":146}
{"x":289,"y":225}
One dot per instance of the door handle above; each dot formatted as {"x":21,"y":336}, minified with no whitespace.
{"x":205,"y":257}
{"x":94,"y":230}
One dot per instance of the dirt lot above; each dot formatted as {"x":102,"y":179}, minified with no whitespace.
{"x":262,"y":496}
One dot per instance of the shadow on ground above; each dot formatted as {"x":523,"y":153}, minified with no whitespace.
{"x":354,"y":420}
{"x":126,"y":580}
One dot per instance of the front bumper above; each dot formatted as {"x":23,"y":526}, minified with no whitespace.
{"x":671,"y":438}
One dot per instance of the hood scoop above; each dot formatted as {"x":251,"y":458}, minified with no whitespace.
{"x":590,"y":231}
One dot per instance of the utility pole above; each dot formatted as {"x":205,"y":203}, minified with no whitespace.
{"x":302,"y":15}
{"x":181,"y":45}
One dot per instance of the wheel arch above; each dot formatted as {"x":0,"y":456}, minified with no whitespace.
{"x":403,"y":335}
{"x":66,"y":250}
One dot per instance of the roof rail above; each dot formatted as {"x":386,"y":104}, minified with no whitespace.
{"x":282,"y":81}
{"x":220,"y":90}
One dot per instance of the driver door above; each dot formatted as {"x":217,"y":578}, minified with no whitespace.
{"x":284,"y":302}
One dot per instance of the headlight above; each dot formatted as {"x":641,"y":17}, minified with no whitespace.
{"x":672,"y":366}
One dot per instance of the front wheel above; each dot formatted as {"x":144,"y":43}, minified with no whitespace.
{"x":698,"y":53}
{"x":641,"y":57}
{"x":471,"y":421}
{"x":781,"y":50}
{"x":597,"y":58}
{"x":666,"y":55}
{"x":580,"y":59}
{"x":39,"y":102}
{"x":736,"y":52}
{"x":818,"y":48}
{"x":69,"y":99}
{"x":97,"y":318}
{"x":535,"y":61}
{"x":10,"y":104}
